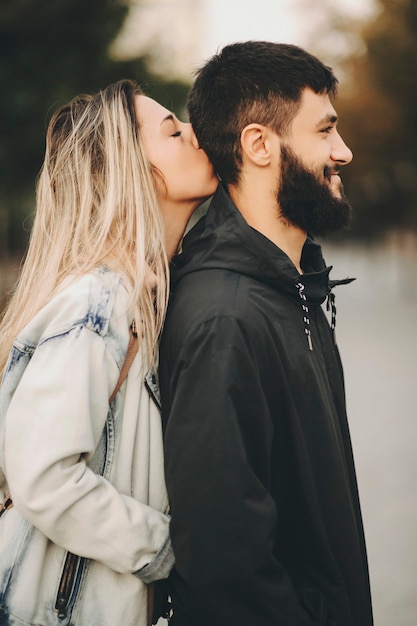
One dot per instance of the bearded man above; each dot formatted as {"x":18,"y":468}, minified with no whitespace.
{"x":266,"y":523}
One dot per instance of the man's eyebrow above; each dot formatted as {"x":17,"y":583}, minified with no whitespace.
{"x":169,"y":118}
{"x":330,"y":118}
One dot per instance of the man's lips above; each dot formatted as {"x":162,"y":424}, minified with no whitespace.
{"x":336,"y":185}
{"x":331,"y":175}
{"x":330,"y":172}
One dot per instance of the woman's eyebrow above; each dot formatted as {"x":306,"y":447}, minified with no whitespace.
{"x":169,"y":118}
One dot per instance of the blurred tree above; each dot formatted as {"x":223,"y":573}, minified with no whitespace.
{"x":51,"y":50}
{"x":379,"y":116}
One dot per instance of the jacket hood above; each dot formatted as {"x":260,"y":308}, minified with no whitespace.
{"x":224,"y":240}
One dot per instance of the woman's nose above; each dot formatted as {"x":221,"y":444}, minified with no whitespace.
{"x":194,"y":140}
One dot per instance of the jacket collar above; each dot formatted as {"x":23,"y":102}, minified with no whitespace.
{"x":224,"y":240}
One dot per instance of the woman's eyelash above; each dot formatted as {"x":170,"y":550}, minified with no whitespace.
{"x":176,"y":134}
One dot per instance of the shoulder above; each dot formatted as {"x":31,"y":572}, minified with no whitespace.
{"x":213,"y":307}
{"x":96,"y":301}
{"x":209,"y":294}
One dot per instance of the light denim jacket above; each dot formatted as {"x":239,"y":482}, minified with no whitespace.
{"x":85,"y":477}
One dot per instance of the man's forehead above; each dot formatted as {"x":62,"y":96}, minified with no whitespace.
{"x":316,"y":108}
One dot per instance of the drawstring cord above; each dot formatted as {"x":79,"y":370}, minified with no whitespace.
{"x":306,"y":317}
{"x":331,"y":306}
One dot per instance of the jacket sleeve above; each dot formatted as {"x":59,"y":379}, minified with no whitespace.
{"x":218,"y":435}
{"x":53,"y":425}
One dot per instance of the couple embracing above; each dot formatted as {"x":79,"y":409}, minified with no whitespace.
{"x":243,"y":499}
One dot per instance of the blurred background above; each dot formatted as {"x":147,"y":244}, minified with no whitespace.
{"x":52,"y":50}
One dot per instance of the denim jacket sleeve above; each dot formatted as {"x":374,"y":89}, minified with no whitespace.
{"x":53,"y":424}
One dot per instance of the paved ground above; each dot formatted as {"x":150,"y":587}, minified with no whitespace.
{"x":377,"y":336}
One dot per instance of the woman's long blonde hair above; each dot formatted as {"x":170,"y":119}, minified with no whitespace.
{"x":96,"y":204}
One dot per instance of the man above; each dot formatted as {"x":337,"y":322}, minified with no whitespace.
{"x":266,"y":523}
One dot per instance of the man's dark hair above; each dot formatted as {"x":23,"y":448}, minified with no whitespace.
{"x":250,"y":82}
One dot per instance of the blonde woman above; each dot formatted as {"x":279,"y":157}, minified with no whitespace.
{"x":84,"y":526}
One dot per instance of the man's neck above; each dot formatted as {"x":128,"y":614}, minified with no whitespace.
{"x":261,"y":211}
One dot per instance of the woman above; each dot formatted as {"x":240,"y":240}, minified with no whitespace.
{"x":84,"y":523}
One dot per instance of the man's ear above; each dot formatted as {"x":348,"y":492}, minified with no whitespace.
{"x":258,"y":144}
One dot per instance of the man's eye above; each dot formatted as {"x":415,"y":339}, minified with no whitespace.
{"x":327,"y":129}
{"x":176,"y":134}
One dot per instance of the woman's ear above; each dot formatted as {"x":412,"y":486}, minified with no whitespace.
{"x":258,"y":144}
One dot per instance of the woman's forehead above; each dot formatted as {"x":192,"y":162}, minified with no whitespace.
{"x":149,"y":111}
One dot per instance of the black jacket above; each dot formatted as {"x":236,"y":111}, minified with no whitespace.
{"x":266,"y":524}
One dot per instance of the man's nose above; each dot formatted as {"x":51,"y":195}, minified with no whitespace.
{"x":341,"y":153}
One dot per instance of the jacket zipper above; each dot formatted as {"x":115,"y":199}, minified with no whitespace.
{"x":6,"y":504}
{"x":71,"y":567}
{"x":66,"y":584}
{"x":149,"y":384}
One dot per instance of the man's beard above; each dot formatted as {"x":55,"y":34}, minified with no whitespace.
{"x":308,"y":202}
